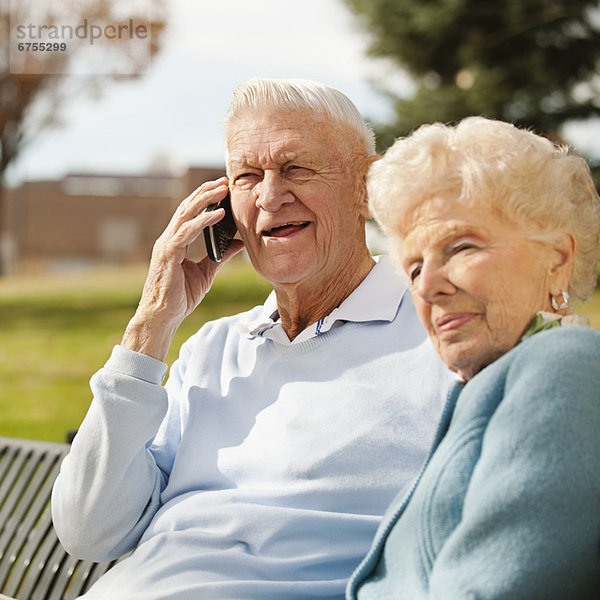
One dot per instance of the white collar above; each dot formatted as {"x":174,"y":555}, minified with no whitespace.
{"x":376,"y":298}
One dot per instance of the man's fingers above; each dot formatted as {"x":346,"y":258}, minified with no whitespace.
{"x":208,"y":193}
{"x":190,"y":230}
{"x":210,"y":267}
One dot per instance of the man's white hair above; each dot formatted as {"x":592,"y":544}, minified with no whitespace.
{"x":301,"y":94}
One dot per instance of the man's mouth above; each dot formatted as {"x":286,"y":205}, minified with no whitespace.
{"x":286,"y":229}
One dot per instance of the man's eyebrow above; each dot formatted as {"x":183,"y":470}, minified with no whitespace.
{"x":239,"y":162}
{"x":307,"y":158}
{"x":295,"y":155}
{"x":281,"y":158}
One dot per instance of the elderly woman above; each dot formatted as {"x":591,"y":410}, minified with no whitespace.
{"x":498,"y":231}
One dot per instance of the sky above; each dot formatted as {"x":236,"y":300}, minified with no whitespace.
{"x":172,"y":116}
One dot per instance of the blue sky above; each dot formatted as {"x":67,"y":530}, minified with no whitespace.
{"x":173,"y":114}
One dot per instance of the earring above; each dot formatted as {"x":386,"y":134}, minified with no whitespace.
{"x":565,"y":303}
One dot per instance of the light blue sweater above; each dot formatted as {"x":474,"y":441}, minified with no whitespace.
{"x":262,"y":470}
{"x":508,"y":507}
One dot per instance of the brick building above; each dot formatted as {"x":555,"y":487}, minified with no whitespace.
{"x":89,"y":219}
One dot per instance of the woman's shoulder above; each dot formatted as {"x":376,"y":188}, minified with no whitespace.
{"x":558,"y":358}
{"x":561,"y":341}
{"x":550,"y":378}
{"x":561,"y":358}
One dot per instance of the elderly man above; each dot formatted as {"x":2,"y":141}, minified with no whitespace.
{"x":264,"y":465}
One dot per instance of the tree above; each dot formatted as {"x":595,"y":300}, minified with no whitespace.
{"x":102,"y":43}
{"x":534,"y":63}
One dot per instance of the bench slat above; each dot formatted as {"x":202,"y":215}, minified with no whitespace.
{"x":33,"y":564}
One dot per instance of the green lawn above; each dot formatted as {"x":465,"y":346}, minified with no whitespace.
{"x":55,"y":332}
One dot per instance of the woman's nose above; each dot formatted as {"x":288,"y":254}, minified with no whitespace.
{"x":433,"y":280}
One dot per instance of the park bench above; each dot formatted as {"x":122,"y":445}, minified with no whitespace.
{"x":33,"y":564}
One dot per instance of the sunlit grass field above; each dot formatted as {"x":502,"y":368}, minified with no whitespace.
{"x":56,"y":331}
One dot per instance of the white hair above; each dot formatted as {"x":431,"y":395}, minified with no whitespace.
{"x":526,"y":177}
{"x":301,"y":94}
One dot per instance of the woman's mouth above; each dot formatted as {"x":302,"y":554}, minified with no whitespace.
{"x":452,"y":321}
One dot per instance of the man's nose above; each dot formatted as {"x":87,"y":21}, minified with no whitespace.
{"x":434,"y":280}
{"x":272,"y":192}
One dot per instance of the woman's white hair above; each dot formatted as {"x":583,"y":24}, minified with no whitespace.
{"x":530,"y":180}
{"x":301,"y":94}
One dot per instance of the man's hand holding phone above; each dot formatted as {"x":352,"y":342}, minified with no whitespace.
{"x":175,"y":284}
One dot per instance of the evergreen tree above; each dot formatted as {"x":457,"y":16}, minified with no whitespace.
{"x":530,"y":62}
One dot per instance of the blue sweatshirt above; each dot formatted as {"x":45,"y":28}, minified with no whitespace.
{"x":262,"y":469}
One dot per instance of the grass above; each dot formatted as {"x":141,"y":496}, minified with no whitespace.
{"x":55,"y":332}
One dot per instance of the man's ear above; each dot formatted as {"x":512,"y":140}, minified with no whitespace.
{"x":563,"y":258}
{"x":364,"y":170}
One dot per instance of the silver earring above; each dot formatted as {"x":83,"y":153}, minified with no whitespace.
{"x":565,"y":303}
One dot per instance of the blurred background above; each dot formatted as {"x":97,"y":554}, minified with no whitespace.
{"x":99,"y":144}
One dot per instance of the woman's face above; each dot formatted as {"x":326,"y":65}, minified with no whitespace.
{"x":477,"y":280}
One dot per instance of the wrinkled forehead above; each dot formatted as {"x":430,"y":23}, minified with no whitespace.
{"x":287,"y":134}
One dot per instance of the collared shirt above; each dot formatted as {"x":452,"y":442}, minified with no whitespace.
{"x":376,"y":298}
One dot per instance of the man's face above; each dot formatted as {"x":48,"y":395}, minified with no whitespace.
{"x":296,"y":193}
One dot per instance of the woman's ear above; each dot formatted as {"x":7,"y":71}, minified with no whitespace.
{"x":564,"y":251}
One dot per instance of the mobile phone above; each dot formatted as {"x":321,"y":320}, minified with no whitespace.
{"x":218,"y":237}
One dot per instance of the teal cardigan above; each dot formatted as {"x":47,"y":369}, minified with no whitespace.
{"x":508,"y":503}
